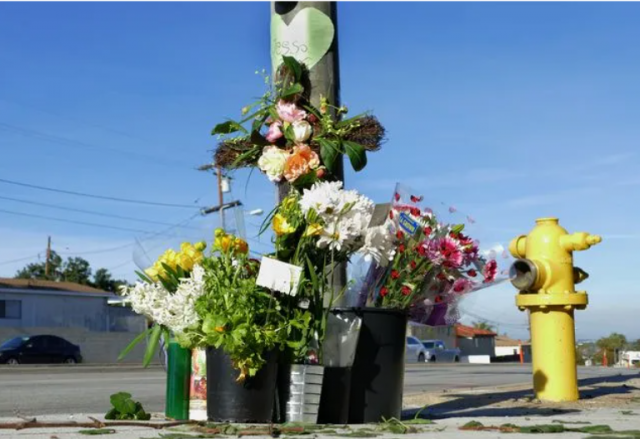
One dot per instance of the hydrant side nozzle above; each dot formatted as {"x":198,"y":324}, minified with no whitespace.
{"x":579,"y":241}
{"x":517,"y":247}
{"x":579,"y":275}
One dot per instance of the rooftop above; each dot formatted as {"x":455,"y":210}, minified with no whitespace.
{"x":48,"y":285}
{"x":501,"y":340}
{"x":470,"y":332}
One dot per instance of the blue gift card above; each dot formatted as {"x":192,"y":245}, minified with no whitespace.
{"x":407,"y":223}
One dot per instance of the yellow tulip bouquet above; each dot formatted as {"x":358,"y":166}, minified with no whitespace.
{"x":166,"y":295}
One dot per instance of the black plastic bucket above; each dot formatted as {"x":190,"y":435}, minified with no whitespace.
{"x":377,"y":377}
{"x":250,"y":401}
{"x":334,"y":402}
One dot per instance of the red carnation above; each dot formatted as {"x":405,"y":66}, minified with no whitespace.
{"x":427,"y":231}
{"x":422,"y":251}
{"x":399,"y":234}
{"x":401,"y":248}
{"x":405,"y":290}
{"x":384,"y":291}
{"x":312,"y":118}
{"x":472,"y":273}
{"x":415,"y":211}
{"x":391,"y":214}
{"x":438,"y":299}
{"x":395,"y":274}
{"x":413,"y":265}
{"x":397,"y":196}
{"x":415,"y":199}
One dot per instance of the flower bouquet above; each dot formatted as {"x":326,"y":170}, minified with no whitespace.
{"x":166,"y":295}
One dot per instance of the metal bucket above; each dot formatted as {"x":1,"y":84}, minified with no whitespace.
{"x":301,"y":393}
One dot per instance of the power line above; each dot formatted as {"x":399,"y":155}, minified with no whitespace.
{"x":65,"y":141}
{"x":19,"y":259}
{"x":101,"y":197}
{"x":90,"y":212}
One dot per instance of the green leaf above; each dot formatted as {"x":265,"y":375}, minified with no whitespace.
{"x":97,"y":431}
{"x":143,"y":276}
{"x":131,"y":345}
{"x":457,"y":228}
{"x":293,"y":90}
{"x":294,"y":66}
{"x":357,"y":154}
{"x":228,"y":127}
{"x":329,"y":152}
{"x":153,"y":344}
{"x":122,"y":402}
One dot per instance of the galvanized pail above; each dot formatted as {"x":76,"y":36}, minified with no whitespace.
{"x":302,"y":394}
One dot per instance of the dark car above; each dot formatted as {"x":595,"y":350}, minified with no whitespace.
{"x":39,"y":349}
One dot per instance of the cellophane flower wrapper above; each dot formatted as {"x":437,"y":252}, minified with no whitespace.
{"x":458,"y":263}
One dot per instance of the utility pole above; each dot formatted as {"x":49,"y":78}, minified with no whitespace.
{"x":220,"y":197}
{"x":324,"y":77}
{"x":46,"y":264}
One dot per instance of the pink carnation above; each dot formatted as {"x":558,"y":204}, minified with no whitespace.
{"x":490,"y":270}
{"x":274,"y":132}
{"x":289,"y":112}
{"x":462,"y":286}
{"x":445,"y":251}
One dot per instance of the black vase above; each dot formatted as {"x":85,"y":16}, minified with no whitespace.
{"x":249,"y":401}
{"x":377,"y":377}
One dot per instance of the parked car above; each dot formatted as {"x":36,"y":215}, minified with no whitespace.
{"x":39,"y":349}
{"x":415,"y":351}
{"x":436,"y":351}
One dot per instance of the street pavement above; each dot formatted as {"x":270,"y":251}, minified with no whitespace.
{"x":31,"y":391}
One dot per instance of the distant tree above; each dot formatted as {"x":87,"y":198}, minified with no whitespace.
{"x":77,"y":270}
{"x":611,"y":344}
{"x":483,"y":325}
{"x":103,"y":280}
{"x":37,"y":270}
{"x":634,"y":345}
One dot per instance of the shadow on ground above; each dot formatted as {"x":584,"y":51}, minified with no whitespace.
{"x":519,"y":402}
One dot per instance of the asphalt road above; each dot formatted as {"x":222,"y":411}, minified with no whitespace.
{"x":28,"y":391}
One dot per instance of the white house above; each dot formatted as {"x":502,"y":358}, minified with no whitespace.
{"x":508,"y":349}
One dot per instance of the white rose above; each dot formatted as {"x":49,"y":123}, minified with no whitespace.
{"x":272,"y":161}
{"x":301,"y":131}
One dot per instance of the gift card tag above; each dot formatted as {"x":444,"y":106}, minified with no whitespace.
{"x":407,"y":223}
{"x":279,"y":276}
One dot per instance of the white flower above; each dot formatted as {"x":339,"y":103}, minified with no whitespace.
{"x":379,"y":245}
{"x":272,"y":161}
{"x":301,"y":131}
{"x":175,"y":311}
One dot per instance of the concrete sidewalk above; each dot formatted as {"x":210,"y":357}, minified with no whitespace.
{"x":441,"y":429}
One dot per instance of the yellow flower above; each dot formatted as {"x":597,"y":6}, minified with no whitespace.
{"x":219,"y":232}
{"x":281,"y":226}
{"x":152,"y":273}
{"x":313,"y":230}
{"x":200,"y":246}
{"x":185,"y":261}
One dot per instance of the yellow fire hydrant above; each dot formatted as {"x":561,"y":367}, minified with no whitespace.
{"x":545,"y":275}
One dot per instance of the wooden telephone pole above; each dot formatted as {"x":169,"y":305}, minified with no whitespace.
{"x":47,"y":264}
{"x":324,"y":77}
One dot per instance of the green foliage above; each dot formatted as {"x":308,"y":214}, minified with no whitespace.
{"x":238,"y":317}
{"x":97,"y":431}
{"x":124,"y":408}
{"x":483,"y":325}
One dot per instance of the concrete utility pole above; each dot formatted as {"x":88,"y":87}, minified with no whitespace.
{"x":324,"y":77}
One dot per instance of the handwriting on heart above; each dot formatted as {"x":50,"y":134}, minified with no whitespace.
{"x":307,"y":38}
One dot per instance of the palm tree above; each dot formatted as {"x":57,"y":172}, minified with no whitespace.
{"x":483,"y":325}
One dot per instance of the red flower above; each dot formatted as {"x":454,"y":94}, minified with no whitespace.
{"x":415,"y":211}
{"x":399,"y":234}
{"x":397,"y":196}
{"x":490,"y":270}
{"x":405,"y":290}
{"x":401,"y":248}
{"x":415,"y":199}
{"x":384,"y":291}
{"x":395,"y":274}
{"x":413,"y":265}
{"x":438,"y":299}
{"x":421,"y":249}
{"x":472,"y":273}
{"x":312,"y":118}
{"x":427,"y":231}
{"x":441,"y":276}
{"x":391,"y":214}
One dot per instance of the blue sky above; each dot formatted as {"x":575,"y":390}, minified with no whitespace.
{"x":508,"y":111}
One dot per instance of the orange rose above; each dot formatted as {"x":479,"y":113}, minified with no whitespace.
{"x":302,"y":160}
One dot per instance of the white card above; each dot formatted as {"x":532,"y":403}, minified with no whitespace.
{"x":279,"y":276}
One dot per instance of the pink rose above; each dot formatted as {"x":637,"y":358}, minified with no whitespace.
{"x":274,"y":132}
{"x":289,"y":112}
